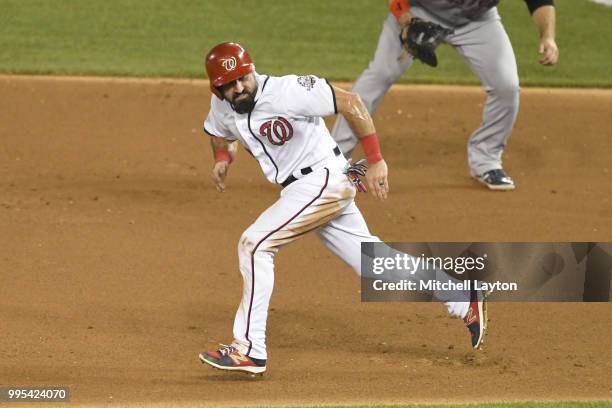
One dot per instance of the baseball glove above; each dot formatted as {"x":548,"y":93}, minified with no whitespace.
{"x":420,"y":39}
{"x":355,"y":172}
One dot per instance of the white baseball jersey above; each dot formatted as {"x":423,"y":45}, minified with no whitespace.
{"x":285,"y":131}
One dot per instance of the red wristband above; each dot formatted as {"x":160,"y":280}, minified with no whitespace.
{"x":371,"y":148}
{"x":399,"y":7}
{"x":223,"y":155}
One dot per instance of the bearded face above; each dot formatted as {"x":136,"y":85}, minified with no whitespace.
{"x":240,"y":93}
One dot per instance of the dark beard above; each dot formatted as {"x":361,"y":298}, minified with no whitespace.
{"x":244,"y":106}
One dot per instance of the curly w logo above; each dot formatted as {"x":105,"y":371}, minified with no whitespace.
{"x":278,"y":131}
{"x":229,"y":64}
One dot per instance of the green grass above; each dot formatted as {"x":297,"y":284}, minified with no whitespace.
{"x":330,"y":38}
{"x":584,"y":35}
{"x":560,"y":404}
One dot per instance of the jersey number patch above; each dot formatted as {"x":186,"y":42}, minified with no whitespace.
{"x":278,"y":131}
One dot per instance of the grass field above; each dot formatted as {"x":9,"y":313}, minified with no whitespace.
{"x":161,"y":38}
{"x":565,"y":404}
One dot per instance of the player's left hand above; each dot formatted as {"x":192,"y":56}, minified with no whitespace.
{"x":377,"y":179}
{"x":549,"y":52}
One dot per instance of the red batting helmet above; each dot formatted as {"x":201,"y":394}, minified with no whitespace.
{"x":225,"y":63}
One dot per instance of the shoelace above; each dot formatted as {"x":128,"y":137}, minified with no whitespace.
{"x":225,"y":349}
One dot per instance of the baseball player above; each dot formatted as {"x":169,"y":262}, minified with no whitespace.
{"x":474,"y":29}
{"x":279,"y":120}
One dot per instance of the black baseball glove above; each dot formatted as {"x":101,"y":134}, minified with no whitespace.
{"x":420,"y":39}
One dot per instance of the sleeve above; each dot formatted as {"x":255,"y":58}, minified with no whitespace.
{"x":309,"y":96}
{"x":398,"y":8}
{"x":533,"y":5}
{"x":214,"y":126}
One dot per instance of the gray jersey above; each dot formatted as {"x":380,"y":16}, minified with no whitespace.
{"x":455,"y":13}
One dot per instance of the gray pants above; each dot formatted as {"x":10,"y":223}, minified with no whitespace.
{"x":486,"y":49}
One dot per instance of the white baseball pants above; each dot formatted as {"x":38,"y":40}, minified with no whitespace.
{"x":323,"y":201}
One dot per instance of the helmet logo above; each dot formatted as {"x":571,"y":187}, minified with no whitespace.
{"x":229,"y":64}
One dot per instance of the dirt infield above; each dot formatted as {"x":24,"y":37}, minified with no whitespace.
{"x":119,"y":265}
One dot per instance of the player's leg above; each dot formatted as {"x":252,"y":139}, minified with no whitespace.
{"x":301,"y":209}
{"x":304,"y":205}
{"x":487,"y":50}
{"x":382,"y":72}
{"x":344,"y":234}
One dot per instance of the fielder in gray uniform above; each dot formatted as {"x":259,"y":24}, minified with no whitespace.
{"x":480,"y":38}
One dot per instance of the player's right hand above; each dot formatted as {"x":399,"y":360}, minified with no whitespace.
{"x":219,"y":172}
{"x":377,"y":179}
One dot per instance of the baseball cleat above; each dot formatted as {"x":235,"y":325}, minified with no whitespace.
{"x":496,"y":180}
{"x":476,"y":318}
{"x":230,"y":359}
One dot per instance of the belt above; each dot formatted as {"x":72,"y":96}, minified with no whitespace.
{"x":306,"y":170}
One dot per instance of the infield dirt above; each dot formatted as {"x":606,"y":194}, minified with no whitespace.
{"x":119,"y":265}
